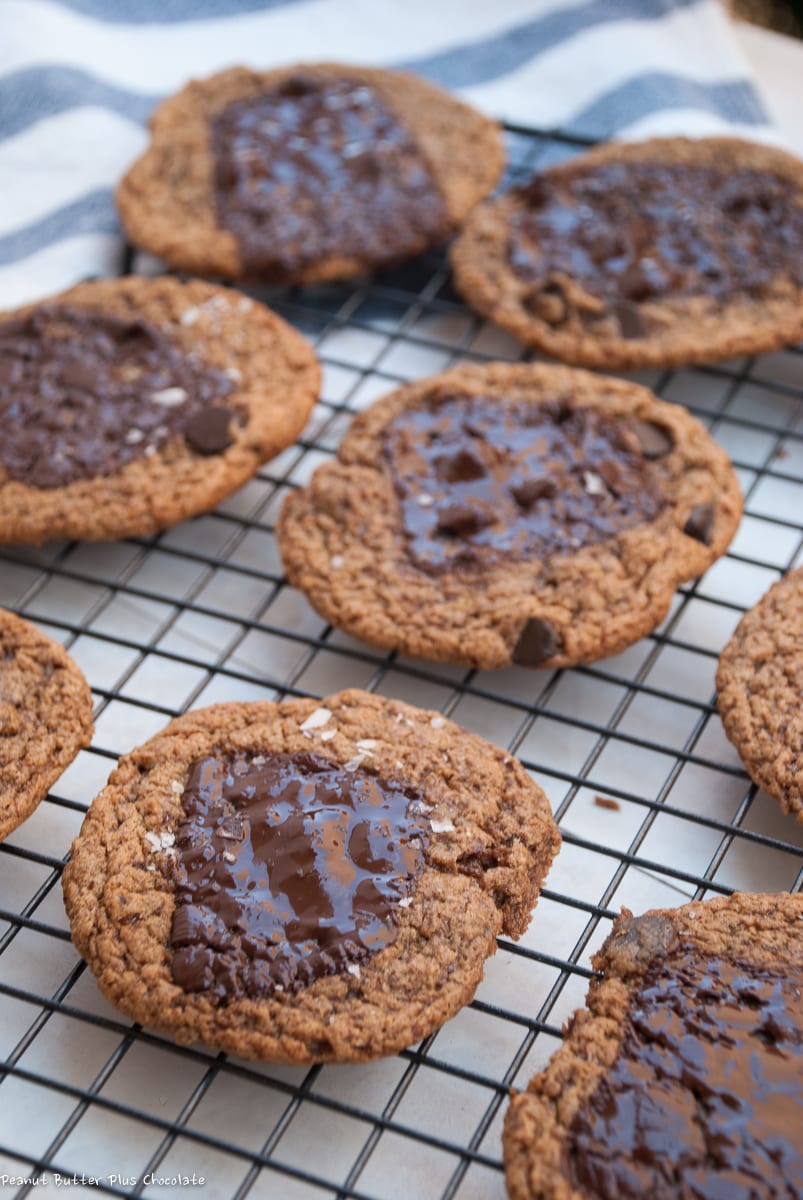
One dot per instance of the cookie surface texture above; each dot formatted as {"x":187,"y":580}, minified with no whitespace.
{"x":132,"y":404}
{"x":657,"y":253}
{"x":683,"y":1076}
{"x":306,"y":173}
{"x":45,"y":717}
{"x":305,"y":881}
{"x":760,"y":690}
{"x":501,"y":514}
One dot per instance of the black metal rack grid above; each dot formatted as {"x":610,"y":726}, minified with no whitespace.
{"x":202,"y":613}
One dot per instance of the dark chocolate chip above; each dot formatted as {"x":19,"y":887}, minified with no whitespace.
{"x":459,"y":468}
{"x":537,"y":642}
{"x":77,"y":374}
{"x":9,"y":370}
{"x":629,"y":319}
{"x":208,"y":431}
{"x":529,"y":490}
{"x":655,"y":441}
{"x":700,"y":524}
{"x":612,"y":476}
{"x":457,"y":519}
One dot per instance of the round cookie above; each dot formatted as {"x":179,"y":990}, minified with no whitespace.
{"x":682,"y":1077}
{"x":652,"y":253}
{"x":306,"y":173}
{"x":759,"y":689}
{"x":45,"y":717}
{"x":500,"y":514}
{"x":208,"y":906}
{"x":132,"y":404}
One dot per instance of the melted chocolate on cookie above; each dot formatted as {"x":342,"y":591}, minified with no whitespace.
{"x":704,"y":1098}
{"x":635,"y":232}
{"x":82,"y":394}
{"x":312,"y":169}
{"x":289,"y":867}
{"x":481,"y":480}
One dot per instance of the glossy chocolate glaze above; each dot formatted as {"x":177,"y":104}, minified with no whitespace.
{"x":483,"y":479}
{"x":289,"y":867}
{"x":704,"y":1100}
{"x":312,"y":169}
{"x":638,"y":232}
{"x":82,"y":394}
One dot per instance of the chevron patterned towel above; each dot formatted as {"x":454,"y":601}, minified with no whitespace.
{"x":78,"y":79}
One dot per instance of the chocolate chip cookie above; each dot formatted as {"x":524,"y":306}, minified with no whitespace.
{"x":656,"y":253}
{"x":131,"y":404}
{"x":760,"y":688}
{"x":506,"y":514}
{"x":45,"y":717}
{"x":305,"y":881}
{"x":684,"y":1075}
{"x":306,"y":173}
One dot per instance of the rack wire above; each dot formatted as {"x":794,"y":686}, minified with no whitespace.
{"x":653,"y":804}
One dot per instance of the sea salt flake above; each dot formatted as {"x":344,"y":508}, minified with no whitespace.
{"x":354,"y":970}
{"x":315,"y":720}
{"x":366,"y":745}
{"x":134,"y":436}
{"x":336,"y":562}
{"x":229,"y":857}
{"x":233,"y":374}
{"x":158,"y":841}
{"x":425,"y":500}
{"x":177,"y":787}
{"x":445,"y":826}
{"x":354,"y":763}
{"x":190,"y":316}
{"x":406,"y":902}
{"x":326,"y":735}
{"x":593,"y":484}
{"x":169,"y":397}
{"x":437,"y":722}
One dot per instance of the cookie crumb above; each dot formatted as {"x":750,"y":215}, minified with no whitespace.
{"x":607,"y":802}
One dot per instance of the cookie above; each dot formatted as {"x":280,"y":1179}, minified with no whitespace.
{"x":759,"y":690}
{"x":45,"y":717}
{"x":305,"y":881}
{"x":306,"y":173}
{"x":500,"y":514}
{"x":655,"y":253}
{"x":131,"y":404}
{"x":683,"y":1077}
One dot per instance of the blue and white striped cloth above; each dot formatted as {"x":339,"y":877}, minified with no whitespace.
{"x":78,"y":79}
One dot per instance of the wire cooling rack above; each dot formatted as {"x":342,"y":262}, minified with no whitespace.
{"x":652,"y":801}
